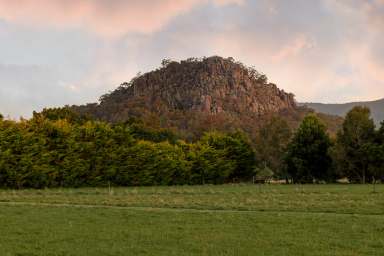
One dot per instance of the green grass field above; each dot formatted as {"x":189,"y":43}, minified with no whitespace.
{"x":200,"y":220}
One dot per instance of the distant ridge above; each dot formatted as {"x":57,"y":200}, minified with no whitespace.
{"x":377,"y":108}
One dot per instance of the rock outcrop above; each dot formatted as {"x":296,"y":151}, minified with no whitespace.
{"x":196,"y":95}
{"x":211,"y":85}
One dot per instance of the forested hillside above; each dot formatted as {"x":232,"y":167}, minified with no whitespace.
{"x":197,"y":121}
{"x":60,"y":148}
{"x":198,"y":95}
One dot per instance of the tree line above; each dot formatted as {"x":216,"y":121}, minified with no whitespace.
{"x":312,"y":155}
{"x":60,"y":148}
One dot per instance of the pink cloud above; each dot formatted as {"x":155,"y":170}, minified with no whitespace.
{"x":108,"y":18}
{"x":294,"y":48}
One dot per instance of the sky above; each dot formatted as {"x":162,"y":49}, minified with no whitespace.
{"x":58,"y":52}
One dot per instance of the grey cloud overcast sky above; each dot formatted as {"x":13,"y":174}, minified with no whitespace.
{"x":57,"y":52}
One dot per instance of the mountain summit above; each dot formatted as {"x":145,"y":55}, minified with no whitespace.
{"x":196,"y":95}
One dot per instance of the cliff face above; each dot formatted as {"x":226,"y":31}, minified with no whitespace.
{"x":212,"y":85}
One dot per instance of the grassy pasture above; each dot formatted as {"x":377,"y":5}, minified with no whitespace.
{"x":194,"y":220}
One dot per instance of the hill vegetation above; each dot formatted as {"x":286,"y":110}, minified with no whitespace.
{"x":208,"y":121}
{"x":59,"y":148}
{"x":66,"y":150}
{"x":193,"y":96}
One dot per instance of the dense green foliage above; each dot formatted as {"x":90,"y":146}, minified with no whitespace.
{"x":57,"y":148}
{"x":308,"y":156}
{"x":359,"y":150}
{"x":357,"y":154}
{"x":230,"y":152}
{"x":271,"y":145}
{"x":60,"y":148}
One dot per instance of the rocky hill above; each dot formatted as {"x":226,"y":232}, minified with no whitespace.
{"x":376,"y":107}
{"x":195,"y":95}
